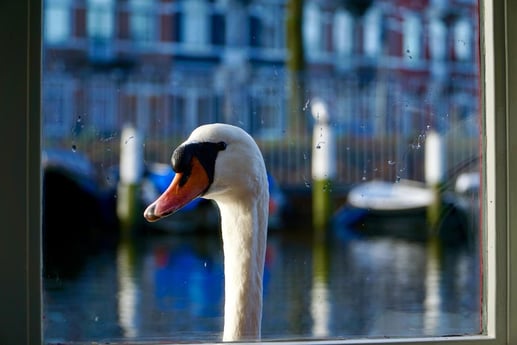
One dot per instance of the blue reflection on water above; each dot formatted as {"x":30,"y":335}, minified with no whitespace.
{"x":168,"y":287}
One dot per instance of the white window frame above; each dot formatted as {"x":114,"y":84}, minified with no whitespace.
{"x":20,"y":211}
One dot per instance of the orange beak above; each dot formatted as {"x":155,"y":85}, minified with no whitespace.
{"x":176,"y":196}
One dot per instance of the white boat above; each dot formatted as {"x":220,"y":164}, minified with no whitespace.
{"x":382,"y":196}
{"x":400,"y":209}
{"x":381,"y":208}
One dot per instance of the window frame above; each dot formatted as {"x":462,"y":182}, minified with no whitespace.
{"x":20,"y":208}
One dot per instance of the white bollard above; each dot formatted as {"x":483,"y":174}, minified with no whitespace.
{"x":130,"y":176}
{"x":323,"y":165}
{"x":434,"y":175}
{"x":434,"y":159}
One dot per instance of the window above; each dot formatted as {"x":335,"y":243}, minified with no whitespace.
{"x":142,"y":21}
{"x":312,"y":31}
{"x":463,"y":39}
{"x":195,"y":24}
{"x":267,"y":26}
{"x":412,"y":37}
{"x":343,"y":33}
{"x":437,"y":39}
{"x":59,"y":95}
{"x":100,"y":28}
{"x":373,"y":30}
{"x":21,"y":315}
{"x":57,"y":22}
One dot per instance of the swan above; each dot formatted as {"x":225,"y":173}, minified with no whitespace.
{"x":223,"y":163}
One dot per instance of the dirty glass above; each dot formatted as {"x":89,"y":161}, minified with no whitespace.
{"x":367,"y":114}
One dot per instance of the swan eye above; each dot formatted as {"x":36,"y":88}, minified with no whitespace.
{"x":221,"y":146}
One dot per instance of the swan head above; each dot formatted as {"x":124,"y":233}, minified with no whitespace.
{"x":218,"y":161}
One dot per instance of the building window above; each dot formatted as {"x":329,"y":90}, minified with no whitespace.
{"x":102,"y":105}
{"x":343,"y":33}
{"x":101,"y":19}
{"x":437,"y":39}
{"x":57,"y":105}
{"x":312,"y":29}
{"x":100,"y":25}
{"x":372,"y":32}
{"x":143,"y":21}
{"x":267,"y":116}
{"x":463,"y":39}
{"x":57,"y":25}
{"x":195,"y":24}
{"x":266,"y":26}
{"x":412,"y":31}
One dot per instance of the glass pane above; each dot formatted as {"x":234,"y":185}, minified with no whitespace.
{"x":367,"y":115}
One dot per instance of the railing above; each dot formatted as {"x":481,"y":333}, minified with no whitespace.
{"x":380,"y":127}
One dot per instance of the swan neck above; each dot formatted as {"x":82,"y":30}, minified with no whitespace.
{"x":244,"y":232}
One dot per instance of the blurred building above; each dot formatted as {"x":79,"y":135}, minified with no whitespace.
{"x":385,"y":68}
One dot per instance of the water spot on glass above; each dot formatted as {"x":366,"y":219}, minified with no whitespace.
{"x":306,"y":183}
{"x":348,"y":148}
{"x":390,"y":162}
{"x":204,"y":264}
{"x":74,"y":148}
{"x":305,"y":157}
{"x":306,"y":106}
{"x":127,"y":140}
{"x":397,"y":180}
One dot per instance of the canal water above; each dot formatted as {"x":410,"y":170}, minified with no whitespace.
{"x":166,"y":287}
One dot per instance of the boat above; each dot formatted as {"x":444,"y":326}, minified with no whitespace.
{"x":384,"y":197}
{"x":78,"y":211}
{"x":400,"y":209}
{"x":380,"y":208}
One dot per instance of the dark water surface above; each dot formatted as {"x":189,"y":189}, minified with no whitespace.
{"x":171,"y":287}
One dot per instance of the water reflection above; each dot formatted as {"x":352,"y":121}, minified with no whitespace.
{"x":172,"y":287}
{"x":320,"y":304}
{"x":128,"y":293}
